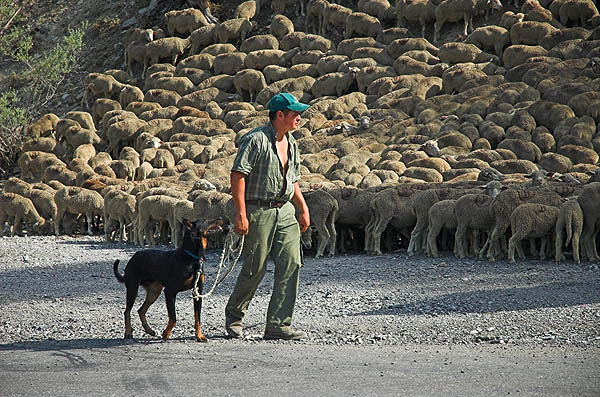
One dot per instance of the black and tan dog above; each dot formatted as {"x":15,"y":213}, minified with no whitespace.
{"x":172,"y":270}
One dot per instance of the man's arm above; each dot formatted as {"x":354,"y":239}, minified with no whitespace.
{"x":304,"y":217}
{"x":238,"y":189}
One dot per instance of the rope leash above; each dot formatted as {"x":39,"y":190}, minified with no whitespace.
{"x":231,"y":248}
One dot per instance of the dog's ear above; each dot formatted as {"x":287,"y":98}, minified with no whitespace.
{"x":188,"y":224}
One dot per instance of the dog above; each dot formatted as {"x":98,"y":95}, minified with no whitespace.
{"x":173,"y":270}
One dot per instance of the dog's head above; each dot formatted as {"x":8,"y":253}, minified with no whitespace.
{"x":199,"y":230}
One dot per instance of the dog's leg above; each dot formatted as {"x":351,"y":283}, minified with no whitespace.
{"x":197,"y":311}
{"x":132,"y":290}
{"x":152,"y":293}
{"x":170,"y":299}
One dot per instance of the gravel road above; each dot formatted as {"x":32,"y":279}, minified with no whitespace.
{"x":59,"y":290}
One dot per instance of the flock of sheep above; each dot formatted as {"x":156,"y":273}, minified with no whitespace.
{"x":445,"y":146}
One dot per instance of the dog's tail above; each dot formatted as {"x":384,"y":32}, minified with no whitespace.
{"x":119,"y":276}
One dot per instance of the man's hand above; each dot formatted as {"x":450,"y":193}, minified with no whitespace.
{"x":304,"y":221}
{"x":241,"y":224}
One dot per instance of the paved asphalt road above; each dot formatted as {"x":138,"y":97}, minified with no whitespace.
{"x":258,"y":368}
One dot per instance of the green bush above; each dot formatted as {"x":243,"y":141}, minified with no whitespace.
{"x":39,"y":75}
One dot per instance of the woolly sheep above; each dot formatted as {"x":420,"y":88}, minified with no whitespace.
{"x":15,"y":209}
{"x":315,"y":15}
{"x":363,"y":24}
{"x":454,"y":11}
{"x":119,"y":207}
{"x":246,"y":10}
{"x":33,"y":163}
{"x":570,"y":220}
{"x":169,"y":47}
{"x":323,"y":208}
{"x":233,"y":30}
{"x":157,"y":208}
{"x":76,"y":200}
{"x":422,"y":11}
{"x":184,"y":21}
{"x":531,"y":220}
{"x":42,"y":126}
{"x":334,"y":15}
{"x":281,"y":25}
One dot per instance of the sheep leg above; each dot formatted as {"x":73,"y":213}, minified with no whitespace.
{"x":121,"y":229}
{"x":532,"y":246}
{"x":542,"y":255}
{"x":519,"y":247}
{"x":378,"y":230}
{"x":512,"y":243}
{"x":434,"y":231}
{"x":558,"y":241}
{"x":2,"y":222}
{"x":17,"y":225}
{"x":459,"y":240}
{"x":332,"y":233}
{"x":89,"y":217}
{"x":59,"y":216}
{"x":575,"y":244}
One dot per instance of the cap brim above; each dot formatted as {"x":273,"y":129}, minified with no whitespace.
{"x":298,"y":107}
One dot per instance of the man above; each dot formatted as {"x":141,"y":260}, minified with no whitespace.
{"x":264,"y":178}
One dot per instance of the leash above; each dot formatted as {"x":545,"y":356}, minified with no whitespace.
{"x":232,"y":248}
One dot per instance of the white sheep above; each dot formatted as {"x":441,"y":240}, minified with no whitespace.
{"x":153,"y":209}
{"x":77,"y":200}
{"x":455,"y":10}
{"x":531,"y":220}
{"x":119,"y":208}
{"x":15,"y":209}
{"x":169,"y":47}
{"x":570,"y":220}
{"x":323,"y":208}
{"x":184,"y":21}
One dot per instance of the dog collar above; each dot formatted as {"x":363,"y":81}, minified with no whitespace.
{"x":192,"y":255}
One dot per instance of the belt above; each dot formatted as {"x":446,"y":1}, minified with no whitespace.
{"x":266,"y":203}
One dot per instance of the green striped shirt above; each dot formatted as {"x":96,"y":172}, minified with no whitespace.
{"x":258,"y":159}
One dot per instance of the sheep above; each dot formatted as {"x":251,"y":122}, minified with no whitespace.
{"x":314,"y":16}
{"x":455,"y":10}
{"x":570,"y":219}
{"x":248,"y":83}
{"x":15,"y":209}
{"x":77,"y":200}
{"x":502,"y":208}
{"x":334,"y":15}
{"x":246,"y":10}
{"x":440,"y":215}
{"x":281,"y":26}
{"x":422,"y":11}
{"x":388,"y":206}
{"x":462,"y":53}
{"x":363,"y":24}
{"x":405,"y":65}
{"x":588,"y":200}
{"x":578,"y":11}
{"x":42,"y":126}
{"x":119,"y":207}
{"x":323,"y":208}
{"x":150,"y":209}
{"x":531,"y":220}
{"x":184,"y":21}
{"x":473,"y":211}
{"x":212,"y":204}
{"x":33,"y":163}
{"x":233,"y":30}
{"x":337,"y":83}
{"x":121,"y":133}
{"x":169,"y":47}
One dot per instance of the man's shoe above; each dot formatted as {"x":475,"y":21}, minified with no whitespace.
{"x":285,"y":333}
{"x":233,"y":326}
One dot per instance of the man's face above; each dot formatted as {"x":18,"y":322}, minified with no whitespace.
{"x":290,"y":119}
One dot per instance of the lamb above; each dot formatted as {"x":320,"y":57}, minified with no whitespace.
{"x":184,"y":21}
{"x":323,"y":209}
{"x":15,"y":209}
{"x":119,"y":207}
{"x":570,"y":219}
{"x":454,"y":11}
{"x":77,"y":200}
{"x":531,"y":220}
{"x":363,"y":24}
{"x":169,"y":47}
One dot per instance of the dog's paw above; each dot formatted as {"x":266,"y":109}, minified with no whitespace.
{"x":202,"y":339}
{"x":150,"y":332}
